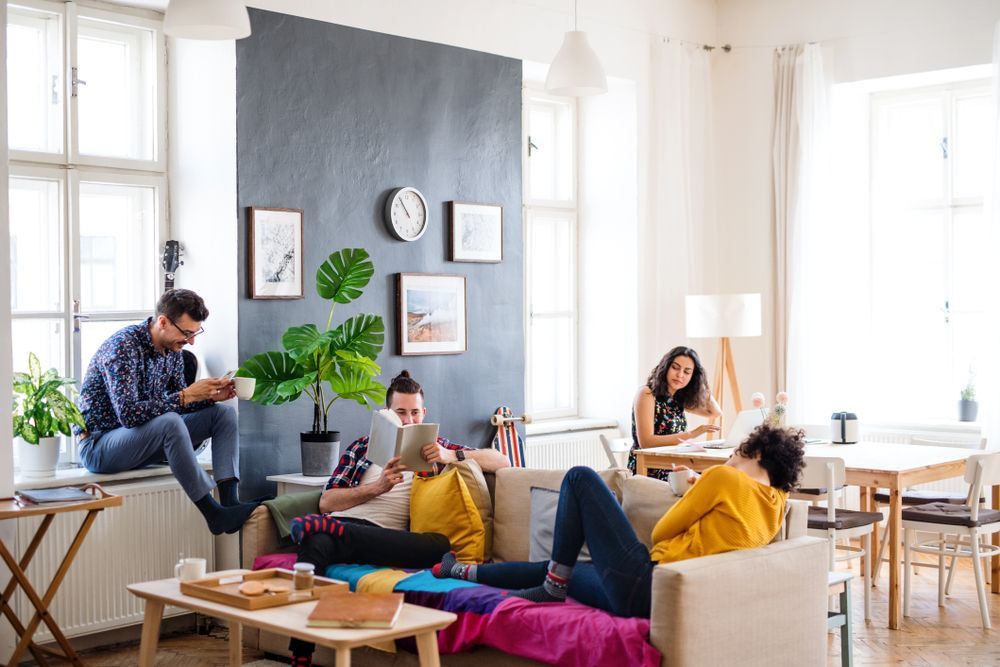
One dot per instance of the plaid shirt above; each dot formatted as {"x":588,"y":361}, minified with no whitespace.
{"x":353,"y":463}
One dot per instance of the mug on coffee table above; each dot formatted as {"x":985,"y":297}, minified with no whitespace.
{"x":190,"y":568}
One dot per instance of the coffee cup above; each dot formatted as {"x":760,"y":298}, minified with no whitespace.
{"x":679,"y":481}
{"x":245,"y":387}
{"x":190,"y":568}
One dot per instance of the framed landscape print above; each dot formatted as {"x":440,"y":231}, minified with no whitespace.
{"x":476,"y":232}
{"x":431,"y":313}
{"x":274,"y":242}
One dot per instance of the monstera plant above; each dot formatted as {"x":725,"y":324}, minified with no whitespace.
{"x":325,"y":364}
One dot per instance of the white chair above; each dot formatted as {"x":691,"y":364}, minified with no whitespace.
{"x":969,"y":521}
{"x":837,"y":524}
{"x":914,"y":497}
{"x":616,"y":449}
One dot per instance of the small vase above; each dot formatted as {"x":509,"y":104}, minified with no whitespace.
{"x":38,"y":461}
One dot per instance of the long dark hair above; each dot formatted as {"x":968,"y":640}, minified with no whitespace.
{"x":694,"y":394}
{"x":402,"y":384}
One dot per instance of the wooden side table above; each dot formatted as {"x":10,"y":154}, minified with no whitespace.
{"x":14,"y":509}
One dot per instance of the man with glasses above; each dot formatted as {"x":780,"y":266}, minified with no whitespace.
{"x":139,"y":410}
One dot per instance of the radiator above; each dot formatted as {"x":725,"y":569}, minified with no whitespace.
{"x":139,"y":541}
{"x":562,"y":451}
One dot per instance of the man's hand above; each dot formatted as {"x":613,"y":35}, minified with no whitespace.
{"x":435,"y":453}
{"x":215,"y":389}
{"x":392,"y":474}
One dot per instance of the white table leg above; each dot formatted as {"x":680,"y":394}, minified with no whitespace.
{"x":150,"y":633}
{"x":427,"y":649}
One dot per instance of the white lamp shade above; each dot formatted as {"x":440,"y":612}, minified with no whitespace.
{"x":576,"y":71}
{"x":207,"y":19}
{"x":722,"y":315}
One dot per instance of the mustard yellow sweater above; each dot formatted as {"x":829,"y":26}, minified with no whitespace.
{"x":724,"y":511}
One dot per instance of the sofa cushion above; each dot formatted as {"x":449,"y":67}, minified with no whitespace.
{"x":544,"y":504}
{"x":479,"y":490}
{"x":512,"y":513}
{"x":645,"y":500}
{"x":443,"y":504}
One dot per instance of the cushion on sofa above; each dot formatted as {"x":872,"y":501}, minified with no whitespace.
{"x":443,"y":504}
{"x":479,"y":490}
{"x":645,"y":500}
{"x":512,"y":512}
{"x":544,"y":505}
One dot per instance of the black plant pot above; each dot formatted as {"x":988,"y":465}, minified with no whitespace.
{"x":967,"y":410}
{"x":320,"y":453}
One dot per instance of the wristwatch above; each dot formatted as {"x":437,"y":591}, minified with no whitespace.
{"x":460,"y":454}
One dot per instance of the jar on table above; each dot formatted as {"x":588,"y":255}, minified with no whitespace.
{"x":305,"y":574}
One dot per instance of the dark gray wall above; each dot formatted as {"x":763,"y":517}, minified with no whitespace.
{"x":329,"y":120}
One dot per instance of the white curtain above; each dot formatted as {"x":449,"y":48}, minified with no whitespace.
{"x":673,"y":252}
{"x":800,"y":160}
{"x":989,"y":378}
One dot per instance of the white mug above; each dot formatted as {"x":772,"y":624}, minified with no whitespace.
{"x":190,"y":568}
{"x":245,"y":387}
{"x":679,"y":481}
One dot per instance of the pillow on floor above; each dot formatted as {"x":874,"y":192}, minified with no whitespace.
{"x":544,"y":503}
{"x":443,"y":504}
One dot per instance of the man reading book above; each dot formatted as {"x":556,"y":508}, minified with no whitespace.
{"x":366,"y":508}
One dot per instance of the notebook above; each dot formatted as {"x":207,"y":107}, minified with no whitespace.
{"x":344,"y":609}
{"x":63,"y":494}
{"x":745,"y":422}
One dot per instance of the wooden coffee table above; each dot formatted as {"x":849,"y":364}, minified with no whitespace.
{"x":290,"y":621}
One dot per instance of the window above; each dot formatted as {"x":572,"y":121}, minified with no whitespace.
{"x":550,"y":255}
{"x":929,"y":166}
{"x":87,"y":176}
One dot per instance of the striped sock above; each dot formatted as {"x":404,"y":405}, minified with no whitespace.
{"x":553,"y":589}
{"x":450,"y":568}
{"x":304,"y":526}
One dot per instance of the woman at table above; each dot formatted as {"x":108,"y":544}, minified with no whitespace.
{"x":676,"y":385}
{"x":737,"y":505}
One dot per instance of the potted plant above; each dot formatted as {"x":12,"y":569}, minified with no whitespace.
{"x":968,"y":407}
{"x":325,"y":365}
{"x":41,"y":412}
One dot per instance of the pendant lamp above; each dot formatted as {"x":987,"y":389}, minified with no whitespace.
{"x":576,"y":71}
{"x":207,"y":19}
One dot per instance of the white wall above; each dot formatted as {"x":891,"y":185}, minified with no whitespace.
{"x":865,"y":40}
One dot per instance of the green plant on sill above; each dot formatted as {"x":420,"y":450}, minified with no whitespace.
{"x":342,"y":359}
{"x":41,"y":409}
{"x":969,"y":392}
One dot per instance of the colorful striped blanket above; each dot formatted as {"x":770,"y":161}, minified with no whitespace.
{"x":554,"y":633}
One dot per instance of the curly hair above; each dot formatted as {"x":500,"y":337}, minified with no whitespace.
{"x":694,"y":394}
{"x":402,"y":384}
{"x":781,"y":452}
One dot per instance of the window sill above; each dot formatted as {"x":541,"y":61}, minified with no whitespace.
{"x":79,"y":476}
{"x":568,"y":425}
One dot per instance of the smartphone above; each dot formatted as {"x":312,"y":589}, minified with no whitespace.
{"x":228,"y":376}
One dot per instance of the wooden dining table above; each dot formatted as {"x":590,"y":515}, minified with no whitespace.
{"x":870,"y":466}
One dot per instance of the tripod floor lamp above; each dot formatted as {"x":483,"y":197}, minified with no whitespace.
{"x":723,"y":316}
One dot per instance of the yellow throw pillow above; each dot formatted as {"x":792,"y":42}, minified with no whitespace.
{"x":479,"y":490}
{"x":443,"y":504}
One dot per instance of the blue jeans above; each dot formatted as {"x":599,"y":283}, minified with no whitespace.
{"x":171,"y":436}
{"x":619,"y":579}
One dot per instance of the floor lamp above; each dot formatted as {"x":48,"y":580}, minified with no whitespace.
{"x":723,"y":316}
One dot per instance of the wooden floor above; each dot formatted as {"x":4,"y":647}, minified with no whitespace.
{"x":932,"y":636}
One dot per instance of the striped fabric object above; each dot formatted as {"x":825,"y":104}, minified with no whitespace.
{"x":507,"y":440}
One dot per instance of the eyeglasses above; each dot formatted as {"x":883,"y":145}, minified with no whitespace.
{"x":188,"y":335}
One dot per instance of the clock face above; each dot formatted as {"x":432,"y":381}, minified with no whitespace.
{"x":406,"y":214}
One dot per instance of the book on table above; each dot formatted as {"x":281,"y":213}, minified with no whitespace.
{"x":344,"y":609}
{"x":62,"y":494}
{"x":388,"y":438}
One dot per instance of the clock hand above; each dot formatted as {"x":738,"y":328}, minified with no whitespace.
{"x":402,"y":200}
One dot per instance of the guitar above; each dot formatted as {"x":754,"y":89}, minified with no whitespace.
{"x":171,"y":261}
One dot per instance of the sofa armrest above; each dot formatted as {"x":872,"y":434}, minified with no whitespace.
{"x":259,"y":536}
{"x":797,"y":520}
{"x":770,"y":603}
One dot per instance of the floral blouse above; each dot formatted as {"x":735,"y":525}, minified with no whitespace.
{"x":668,"y":418}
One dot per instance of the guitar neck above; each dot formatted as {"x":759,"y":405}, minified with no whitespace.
{"x":168,"y":281}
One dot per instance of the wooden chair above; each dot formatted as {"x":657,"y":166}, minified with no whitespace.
{"x":915,"y":497}
{"x":616,"y":449}
{"x":970,"y":521}
{"x":837,"y":524}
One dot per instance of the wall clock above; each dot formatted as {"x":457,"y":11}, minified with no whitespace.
{"x":406,"y":214}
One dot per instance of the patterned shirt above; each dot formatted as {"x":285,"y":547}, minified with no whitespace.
{"x":129,"y":382}
{"x":353,"y":463}
{"x":668,"y":419}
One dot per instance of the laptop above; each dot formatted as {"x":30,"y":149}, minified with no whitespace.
{"x":745,"y":422}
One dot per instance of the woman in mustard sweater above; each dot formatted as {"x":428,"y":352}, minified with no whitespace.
{"x":737,"y":505}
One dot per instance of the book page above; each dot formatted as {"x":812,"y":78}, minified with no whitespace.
{"x":410,"y":439}
{"x":383,"y":436}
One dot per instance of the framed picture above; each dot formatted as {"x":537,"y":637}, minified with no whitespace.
{"x":275,"y":245}
{"x":476,"y":232}
{"x":431,"y":312}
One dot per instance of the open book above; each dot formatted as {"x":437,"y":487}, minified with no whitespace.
{"x":356,"y":610}
{"x":388,"y":438}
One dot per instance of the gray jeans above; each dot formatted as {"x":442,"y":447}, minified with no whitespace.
{"x":171,"y":436}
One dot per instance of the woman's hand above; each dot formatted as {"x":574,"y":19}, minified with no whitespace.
{"x":692,"y":478}
{"x":704,"y":428}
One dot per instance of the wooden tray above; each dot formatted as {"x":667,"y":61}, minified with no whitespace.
{"x":225,"y":589}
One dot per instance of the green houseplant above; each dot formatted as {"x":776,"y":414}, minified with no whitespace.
{"x":41,"y":411}
{"x":328,"y":364}
{"x":968,"y":407}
